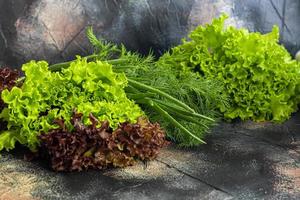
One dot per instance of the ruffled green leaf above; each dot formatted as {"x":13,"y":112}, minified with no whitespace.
{"x":9,"y":138}
{"x":261,"y":79}
{"x":87,"y":87}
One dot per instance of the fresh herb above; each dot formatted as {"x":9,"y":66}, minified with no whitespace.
{"x":260,"y":77}
{"x":199,"y":94}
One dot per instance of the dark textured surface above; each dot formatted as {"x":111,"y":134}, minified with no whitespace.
{"x":241,"y":161}
{"x":33,"y":32}
{"x":54,"y":30}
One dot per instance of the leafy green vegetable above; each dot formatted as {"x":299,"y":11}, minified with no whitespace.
{"x":172,"y":97}
{"x":45,"y":96}
{"x":8,"y":139}
{"x":202,"y":95}
{"x":260,"y":77}
{"x":98,"y":146}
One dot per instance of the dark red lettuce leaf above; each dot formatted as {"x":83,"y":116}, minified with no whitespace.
{"x":98,"y":147}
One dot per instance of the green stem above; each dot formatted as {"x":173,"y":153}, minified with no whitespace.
{"x":163,"y":94}
{"x":174,"y":121}
{"x":140,"y":95}
{"x":184,"y":117}
{"x":59,"y":66}
{"x":130,"y":89}
{"x":180,"y":110}
{"x":117,"y":61}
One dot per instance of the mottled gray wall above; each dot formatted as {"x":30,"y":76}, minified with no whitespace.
{"x":152,"y":24}
{"x":55,"y":29}
{"x":264,"y":13}
{"x":256,"y":15}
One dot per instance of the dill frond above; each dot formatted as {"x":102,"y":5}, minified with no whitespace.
{"x":184,"y":103}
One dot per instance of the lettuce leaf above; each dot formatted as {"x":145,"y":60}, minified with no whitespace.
{"x":45,"y":96}
{"x":259,"y":75}
{"x":9,"y":138}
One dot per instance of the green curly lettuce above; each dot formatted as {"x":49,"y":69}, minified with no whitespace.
{"x":260,"y":77}
{"x":45,"y":96}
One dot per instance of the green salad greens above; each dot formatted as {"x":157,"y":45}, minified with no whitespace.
{"x":202,"y":95}
{"x":184,"y":103}
{"x":261,"y":79}
{"x":45,"y":96}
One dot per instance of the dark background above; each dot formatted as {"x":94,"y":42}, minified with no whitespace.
{"x":55,"y":29}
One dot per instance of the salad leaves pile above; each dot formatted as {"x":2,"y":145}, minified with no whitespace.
{"x":87,"y":87}
{"x":261,"y":79}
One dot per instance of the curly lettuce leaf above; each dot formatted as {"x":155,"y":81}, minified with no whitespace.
{"x":87,"y":87}
{"x":260,"y":78}
{"x":9,"y":138}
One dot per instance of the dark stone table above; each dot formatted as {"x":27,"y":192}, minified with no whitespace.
{"x":241,"y":161}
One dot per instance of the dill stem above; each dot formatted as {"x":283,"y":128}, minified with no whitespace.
{"x":163,"y":94}
{"x":180,"y":110}
{"x":59,"y":66}
{"x":184,"y":117}
{"x":174,"y":121}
